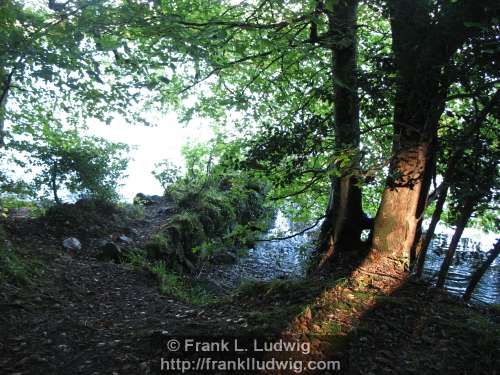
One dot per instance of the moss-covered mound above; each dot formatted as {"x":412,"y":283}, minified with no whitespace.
{"x":211,"y":215}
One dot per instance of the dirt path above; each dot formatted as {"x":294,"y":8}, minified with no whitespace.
{"x":82,"y":316}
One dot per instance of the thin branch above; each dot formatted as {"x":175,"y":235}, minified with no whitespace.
{"x":295,"y":234}
{"x":301,"y":191}
{"x":222,"y":67}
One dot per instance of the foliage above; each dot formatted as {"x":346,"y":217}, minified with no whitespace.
{"x":169,"y":282}
{"x":216,"y":208}
{"x":83,"y":165}
{"x":263,"y":72}
{"x":12,"y":266}
{"x":166,"y":173}
{"x":12,"y":202}
{"x":178,"y":286}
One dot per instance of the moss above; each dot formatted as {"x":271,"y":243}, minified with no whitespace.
{"x":209,"y":218}
{"x":177,"y":286}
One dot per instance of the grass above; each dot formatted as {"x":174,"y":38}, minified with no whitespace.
{"x":12,"y":202}
{"x":169,"y":282}
{"x":13,"y":267}
{"x":132,"y":211}
{"x":177,"y":286}
{"x":209,"y":218}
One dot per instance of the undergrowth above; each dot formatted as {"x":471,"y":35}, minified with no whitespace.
{"x":213,"y":214}
{"x":170,"y":282}
{"x":13,"y":268}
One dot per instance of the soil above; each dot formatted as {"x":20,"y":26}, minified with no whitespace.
{"x":78,"y":315}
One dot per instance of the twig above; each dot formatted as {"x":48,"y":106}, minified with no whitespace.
{"x":295,"y":234}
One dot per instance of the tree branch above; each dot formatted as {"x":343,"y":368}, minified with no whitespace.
{"x":295,"y":234}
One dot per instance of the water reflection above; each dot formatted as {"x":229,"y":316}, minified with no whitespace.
{"x":287,"y":258}
{"x":469,"y":257}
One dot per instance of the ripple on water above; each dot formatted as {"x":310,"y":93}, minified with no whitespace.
{"x":287,"y":258}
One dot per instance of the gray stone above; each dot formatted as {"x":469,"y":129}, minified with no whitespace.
{"x":124,"y":239}
{"x":147,"y":200}
{"x":72,"y":243}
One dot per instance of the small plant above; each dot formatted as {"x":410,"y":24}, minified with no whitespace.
{"x":132,"y":211}
{"x":177,"y":286}
{"x":12,"y":266}
{"x":137,"y":259}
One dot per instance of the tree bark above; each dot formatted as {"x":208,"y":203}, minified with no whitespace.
{"x":5,"y":81}
{"x":53,"y":184}
{"x":461,"y":224}
{"x":423,"y":47}
{"x":436,"y":216}
{"x":345,"y":219}
{"x":476,"y":276}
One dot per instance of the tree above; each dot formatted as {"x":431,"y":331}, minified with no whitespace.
{"x":459,"y":153}
{"x":473,"y":183}
{"x":344,"y":215}
{"x":272,"y":64}
{"x":84,"y":165}
{"x":476,"y":276}
{"x":428,"y":33}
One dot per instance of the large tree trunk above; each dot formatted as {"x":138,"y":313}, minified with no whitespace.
{"x":420,"y":100}
{"x":476,"y":276}
{"x":419,"y":105}
{"x":344,"y":220}
{"x":461,"y":224}
{"x":397,"y":217}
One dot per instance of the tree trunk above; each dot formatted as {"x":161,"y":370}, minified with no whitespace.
{"x":344,"y":216}
{"x":396,"y":220}
{"x":450,"y":169}
{"x":53,"y":184}
{"x":476,"y":276}
{"x":423,"y":43}
{"x":436,"y":216}
{"x":419,"y":103}
{"x":430,"y":170}
{"x":5,"y":82}
{"x":461,"y":224}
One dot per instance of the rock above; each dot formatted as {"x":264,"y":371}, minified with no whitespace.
{"x":72,"y":243}
{"x":20,"y":213}
{"x":110,"y":251}
{"x":124,"y":239}
{"x":147,"y":200}
{"x":224,"y":257}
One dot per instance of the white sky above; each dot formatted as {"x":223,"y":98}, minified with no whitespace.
{"x":152,"y":144}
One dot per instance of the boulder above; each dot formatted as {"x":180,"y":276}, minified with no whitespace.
{"x":121,"y":238}
{"x":110,"y":251}
{"x":20,"y":213}
{"x":72,"y":243}
{"x":147,"y":200}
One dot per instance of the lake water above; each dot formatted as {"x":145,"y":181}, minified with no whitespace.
{"x":469,"y":256}
{"x":287,"y":258}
